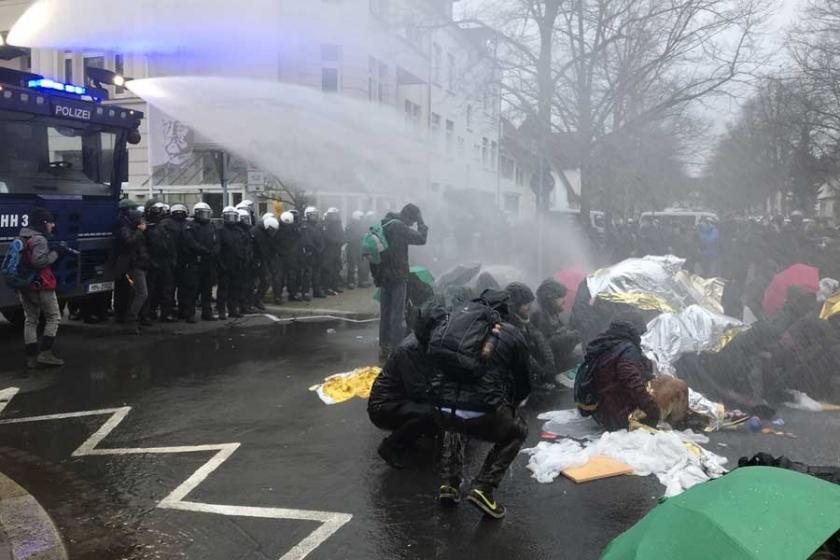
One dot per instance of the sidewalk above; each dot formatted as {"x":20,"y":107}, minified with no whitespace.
{"x":26,"y":531}
{"x":355,"y":304}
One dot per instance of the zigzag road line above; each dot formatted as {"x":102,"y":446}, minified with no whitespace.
{"x":176,"y":500}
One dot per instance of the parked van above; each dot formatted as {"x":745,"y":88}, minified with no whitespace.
{"x":687,"y":218}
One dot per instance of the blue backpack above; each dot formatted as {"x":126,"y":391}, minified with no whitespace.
{"x":16,"y":273}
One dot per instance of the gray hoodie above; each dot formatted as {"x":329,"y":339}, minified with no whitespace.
{"x":41,"y":257}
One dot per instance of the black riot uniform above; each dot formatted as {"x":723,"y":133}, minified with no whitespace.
{"x":201,"y":248}
{"x":267,"y":250}
{"x":161,"y":240}
{"x":288,"y":250}
{"x":311,"y":258}
{"x":358,"y":271}
{"x":233,"y":269}
{"x":333,"y":244}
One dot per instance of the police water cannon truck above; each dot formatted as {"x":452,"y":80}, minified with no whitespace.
{"x":61,"y":148}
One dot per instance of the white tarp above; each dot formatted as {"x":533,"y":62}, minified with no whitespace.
{"x":674,"y":457}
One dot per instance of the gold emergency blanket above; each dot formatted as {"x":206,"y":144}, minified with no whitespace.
{"x":344,"y":386}
{"x":831,"y":307}
{"x":655,"y":284}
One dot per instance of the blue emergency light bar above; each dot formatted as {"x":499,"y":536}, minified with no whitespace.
{"x":46,"y":83}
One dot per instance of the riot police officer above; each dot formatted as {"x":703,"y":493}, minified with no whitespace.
{"x":266,"y":243}
{"x":163,"y":251}
{"x":333,"y":244}
{"x":288,"y":248}
{"x":312,"y":253}
{"x":201,"y":242}
{"x":232,"y":263}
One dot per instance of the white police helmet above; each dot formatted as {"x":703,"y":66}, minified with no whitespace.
{"x":271,"y":223}
{"x":287,"y":218}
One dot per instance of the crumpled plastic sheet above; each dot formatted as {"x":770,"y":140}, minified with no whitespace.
{"x":695,"y":329}
{"x":344,"y":386}
{"x":654,"y":283}
{"x":570,"y":424}
{"x":677,"y":462}
{"x":714,"y":411}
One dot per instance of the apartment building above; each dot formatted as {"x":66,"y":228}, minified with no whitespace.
{"x":408,"y":56}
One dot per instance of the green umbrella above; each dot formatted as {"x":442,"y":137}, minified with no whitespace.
{"x":752,"y":513}
{"x":421,"y":272}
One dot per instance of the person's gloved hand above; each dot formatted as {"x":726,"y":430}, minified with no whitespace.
{"x":63,"y":250}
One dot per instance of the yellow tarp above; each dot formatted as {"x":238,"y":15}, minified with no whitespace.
{"x":344,"y":386}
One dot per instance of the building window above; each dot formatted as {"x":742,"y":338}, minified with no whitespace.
{"x":119,"y":68}
{"x":450,"y":133}
{"x":437,"y":62}
{"x":506,"y":166}
{"x":450,"y":71}
{"x":435,"y":122}
{"x":512,"y":204}
{"x":462,"y":146}
{"x":494,"y":148}
{"x":379,"y":8}
{"x":68,"y":68}
{"x":93,"y":62}
{"x":330,"y":52}
{"x":469,"y":117}
{"x":412,"y":112}
{"x":477,"y":152}
{"x":485,"y":148}
{"x":329,"y":79}
{"x":434,"y":187}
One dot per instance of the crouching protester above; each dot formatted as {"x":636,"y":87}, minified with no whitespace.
{"x":479,"y":380}
{"x":399,"y":400}
{"x":38,"y":298}
{"x":611,"y":383}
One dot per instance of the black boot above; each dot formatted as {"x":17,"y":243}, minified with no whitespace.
{"x":390,"y":454}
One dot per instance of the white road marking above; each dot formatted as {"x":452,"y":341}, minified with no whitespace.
{"x":330,"y":521}
{"x":7,"y":395}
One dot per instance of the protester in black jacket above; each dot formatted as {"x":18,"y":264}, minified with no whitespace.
{"x":399,"y":400}
{"x":131,"y":264}
{"x":358,"y":272}
{"x":541,"y":366}
{"x":487,"y":410}
{"x":391,"y":275}
{"x":561,"y":339}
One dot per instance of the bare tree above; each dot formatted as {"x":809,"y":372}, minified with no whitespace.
{"x":616,"y":67}
{"x":772,"y":149}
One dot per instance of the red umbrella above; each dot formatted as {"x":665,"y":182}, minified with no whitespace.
{"x":801,"y":275}
{"x":571,"y":278}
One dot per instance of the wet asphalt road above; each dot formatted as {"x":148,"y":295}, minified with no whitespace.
{"x":250,"y":385}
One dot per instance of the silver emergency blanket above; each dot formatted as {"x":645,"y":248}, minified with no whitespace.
{"x":655,"y":283}
{"x":695,"y":329}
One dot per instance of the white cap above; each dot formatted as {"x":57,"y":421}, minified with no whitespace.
{"x":271,"y":223}
{"x":287,"y":218}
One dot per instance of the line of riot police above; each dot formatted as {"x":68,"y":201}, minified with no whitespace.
{"x":172,"y":259}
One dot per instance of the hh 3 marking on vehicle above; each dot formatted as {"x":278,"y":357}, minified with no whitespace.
{"x":13,"y":220}
{"x":330,"y":521}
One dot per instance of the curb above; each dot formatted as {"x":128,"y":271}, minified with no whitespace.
{"x":26,"y":531}
{"x":284,"y":312}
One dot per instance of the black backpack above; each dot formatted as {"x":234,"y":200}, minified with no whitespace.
{"x":456,"y":344}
